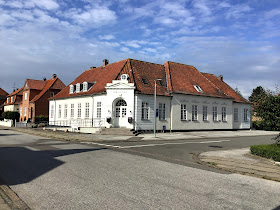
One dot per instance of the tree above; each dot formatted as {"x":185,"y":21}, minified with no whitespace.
{"x":257,"y":94}
{"x":11,"y":115}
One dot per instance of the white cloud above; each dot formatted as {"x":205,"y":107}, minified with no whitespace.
{"x":106,"y":37}
{"x":272,"y":13}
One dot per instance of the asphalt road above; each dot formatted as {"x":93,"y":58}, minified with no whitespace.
{"x":49,"y":174}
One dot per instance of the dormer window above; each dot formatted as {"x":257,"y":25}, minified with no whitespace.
{"x":124,"y":77}
{"x":71,"y":89}
{"x":198,"y":89}
{"x":85,"y":86}
{"x":78,"y":86}
{"x":12,"y":99}
{"x":8,"y":100}
{"x":145,"y":81}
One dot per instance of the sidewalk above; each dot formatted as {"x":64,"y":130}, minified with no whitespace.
{"x":241,"y":161}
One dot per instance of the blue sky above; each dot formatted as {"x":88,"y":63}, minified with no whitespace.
{"x":238,"y":39}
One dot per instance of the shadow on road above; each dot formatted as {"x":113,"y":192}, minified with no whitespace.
{"x":6,"y":134}
{"x":21,"y":165}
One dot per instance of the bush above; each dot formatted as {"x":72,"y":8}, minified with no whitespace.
{"x":258,"y":125}
{"x":11,"y":115}
{"x":41,"y":118}
{"x":270,"y":151}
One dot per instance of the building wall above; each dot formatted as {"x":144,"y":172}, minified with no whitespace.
{"x":200,"y":124}
{"x":11,"y":108}
{"x":241,"y":123}
{"x":148,"y":124}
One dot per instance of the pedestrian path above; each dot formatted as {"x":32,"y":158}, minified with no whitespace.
{"x":240,"y":161}
{"x":3,"y":205}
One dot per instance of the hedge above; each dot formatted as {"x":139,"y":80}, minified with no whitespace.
{"x":270,"y":151}
{"x":11,"y":115}
{"x":41,"y":118}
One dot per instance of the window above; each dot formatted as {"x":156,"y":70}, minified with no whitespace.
{"x":123,"y":112}
{"x":52,"y":111}
{"x":25,"y":96}
{"x":52,"y":94}
{"x":25,"y":111}
{"x":161,"y":113}
{"x":235,"y":114}
{"x":124,"y":77}
{"x":85,"y":86}
{"x":79,"y":110}
{"x":145,"y":81}
{"x":198,"y":89}
{"x":120,"y":103}
{"x":72,"y":110}
{"x":194,"y":112}
{"x":12,"y":99}
{"x":98,"y":111}
{"x":87,"y":111}
{"x":224,"y":114}
{"x":205,"y":113}
{"x":71,"y":89}
{"x":183,"y":112}
{"x":20,"y":112}
{"x":8,"y":100}
{"x":118,"y":112}
{"x":145,"y":110}
{"x":215,"y":113}
{"x":59,"y":111}
{"x":78,"y":86}
{"x":246,"y":115}
{"x":65,"y":110}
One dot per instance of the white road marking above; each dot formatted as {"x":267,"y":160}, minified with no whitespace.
{"x":152,"y":145}
{"x":31,"y":148}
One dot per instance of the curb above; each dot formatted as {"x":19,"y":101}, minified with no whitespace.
{"x":12,"y":199}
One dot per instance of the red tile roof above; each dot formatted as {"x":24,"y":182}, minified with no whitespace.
{"x":3,"y":92}
{"x":35,"y":84}
{"x":175,"y":78}
{"x":16,"y":99}
{"x":217,"y":82}
{"x":16,"y":92}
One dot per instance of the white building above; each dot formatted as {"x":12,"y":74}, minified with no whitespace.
{"x":121,"y":94}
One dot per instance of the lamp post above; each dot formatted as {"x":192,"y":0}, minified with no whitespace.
{"x":155,"y":107}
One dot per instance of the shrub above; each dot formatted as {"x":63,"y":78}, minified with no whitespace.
{"x":271,"y":151}
{"x":11,"y":115}
{"x":41,"y":118}
{"x":258,"y":125}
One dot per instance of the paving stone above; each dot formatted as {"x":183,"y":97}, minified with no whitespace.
{"x":4,"y":207}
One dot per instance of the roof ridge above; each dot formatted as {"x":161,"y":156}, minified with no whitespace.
{"x":181,"y":64}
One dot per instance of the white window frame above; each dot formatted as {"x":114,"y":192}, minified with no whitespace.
{"x":85,"y":86}
{"x":246,"y":115}
{"x":25,"y":96}
{"x":72,"y":111}
{"x":198,"y":89}
{"x":65,"y":110}
{"x":194,"y":113}
{"x":205,"y":113}
{"x":87,"y":110}
{"x":184,"y":112}
{"x":98,"y":109}
{"x":25,"y":111}
{"x":52,"y":111}
{"x":79,"y":113}
{"x":235,"y":114}
{"x":8,"y":100}
{"x":145,"y":111}
{"x":161,"y":111}
{"x":71,"y":87}
{"x":12,"y":99}
{"x":224,"y":114}
{"x":215,"y":113}
{"x":20,"y":111}
{"x":59,"y":111}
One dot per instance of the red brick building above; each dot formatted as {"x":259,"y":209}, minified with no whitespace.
{"x":35,"y":97}
{"x":3,"y":96}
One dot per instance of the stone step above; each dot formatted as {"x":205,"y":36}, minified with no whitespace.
{"x":117,"y":131}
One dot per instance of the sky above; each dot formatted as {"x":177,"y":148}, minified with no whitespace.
{"x":239,"y":39}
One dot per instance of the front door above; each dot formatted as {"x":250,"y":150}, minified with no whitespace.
{"x":120,"y":114}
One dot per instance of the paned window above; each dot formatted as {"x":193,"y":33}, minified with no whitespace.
{"x":52,"y":94}
{"x":12,"y":99}
{"x":121,"y":103}
{"x":52,"y":111}
{"x":65,"y":110}
{"x":215,"y":113}
{"x":8,"y":100}
{"x":25,"y":96}
{"x":98,"y":111}
{"x":194,"y":112}
{"x":246,"y":115}
{"x":85,"y":86}
{"x":235,"y":114}
{"x":87,"y":111}
{"x":79,"y":110}
{"x":59,"y":111}
{"x":145,"y":110}
{"x":71,"y":89}
{"x":224,"y":114}
{"x":118,"y":112}
{"x":78,"y":87}
{"x":25,"y":111}
{"x":183,"y":112}
{"x":123,"y":112}
{"x":205,"y":113}
{"x":20,"y":111}
{"x":161,"y":111}
{"x":72,"y":110}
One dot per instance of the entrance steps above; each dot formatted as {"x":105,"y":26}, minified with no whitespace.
{"x":117,"y":131}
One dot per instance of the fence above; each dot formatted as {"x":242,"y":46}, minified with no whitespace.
{"x":7,"y":123}
{"x":94,"y":122}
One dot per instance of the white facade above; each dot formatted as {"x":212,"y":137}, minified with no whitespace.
{"x":120,"y":106}
{"x":12,"y":108}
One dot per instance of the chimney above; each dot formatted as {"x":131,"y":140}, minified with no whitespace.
{"x":44,"y":78}
{"x":221,"y":77}
{"x":105,"y":62}
{"x":54,"y":76}
{"x":93,"y":67}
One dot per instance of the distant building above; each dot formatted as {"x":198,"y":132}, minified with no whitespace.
{"x":3,"y":96}
{"x":13,"y":100}
{"x":121,"y":94}
{"x":35,"y":94}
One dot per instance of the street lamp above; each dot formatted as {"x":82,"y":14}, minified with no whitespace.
{"x":155,"y":107}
